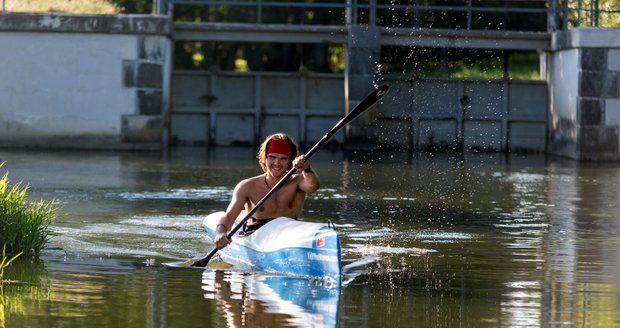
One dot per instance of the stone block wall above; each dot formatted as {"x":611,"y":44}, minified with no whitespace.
{"x":599,"y":92}
{"x":146,"y":76}
{"x":585,"y":92}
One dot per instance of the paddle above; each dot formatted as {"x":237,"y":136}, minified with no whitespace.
{"x":370,"y":100}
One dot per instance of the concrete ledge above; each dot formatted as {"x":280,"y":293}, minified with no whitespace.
{"x":239,"y":32}
{"x":338,"y":34}
{"x":466,"y":39}
{"x":107,"y":24}
{"x":586,"y":37}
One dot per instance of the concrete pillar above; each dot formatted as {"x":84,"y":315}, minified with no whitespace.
{"x":147,"y":75}
{"x":362,"y":69}
{"x":584,"y":82}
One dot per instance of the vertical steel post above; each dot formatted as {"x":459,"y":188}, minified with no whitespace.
{"x":259,"y":12}
{"x":372,"y":19}
{"x":469,"y":7}
{"x":416,"y":14}
{"x":348,"y":13}
{"x":596,"y":13}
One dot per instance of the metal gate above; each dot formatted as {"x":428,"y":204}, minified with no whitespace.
{"x":230,"y":108}
{"x":465,"y":115}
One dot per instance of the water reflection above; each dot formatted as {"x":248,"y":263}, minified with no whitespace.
{"x":258,"y":300}
{"x":582,"y":261}
{"x":20,"y":280}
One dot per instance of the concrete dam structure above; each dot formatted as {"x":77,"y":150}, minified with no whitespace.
{"x":108,"y":82}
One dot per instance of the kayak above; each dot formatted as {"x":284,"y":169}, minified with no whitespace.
{"x":284,"y":245}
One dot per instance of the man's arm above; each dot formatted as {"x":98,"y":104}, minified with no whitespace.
{"x":309,"y":178}
{"x":232,"y":212}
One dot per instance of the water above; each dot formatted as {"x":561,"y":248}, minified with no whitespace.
{"x":480,"y":240}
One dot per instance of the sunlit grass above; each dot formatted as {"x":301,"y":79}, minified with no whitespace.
{"x":63,"y":6}
{"x":521,"y":66}
{"x":24,"y":225}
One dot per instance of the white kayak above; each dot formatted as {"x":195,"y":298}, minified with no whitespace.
{"x":284,"y":245}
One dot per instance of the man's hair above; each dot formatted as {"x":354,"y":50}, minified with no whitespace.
{"x":262,"y":150}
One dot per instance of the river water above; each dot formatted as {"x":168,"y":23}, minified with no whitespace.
{"x":428,"y":240}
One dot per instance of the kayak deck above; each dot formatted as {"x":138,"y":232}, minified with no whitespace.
{"x":285,"y":245}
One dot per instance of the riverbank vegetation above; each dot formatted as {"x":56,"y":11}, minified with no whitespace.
{"x":80,"y":6}
{"x":62,"y":6}
{"x":24,"y":225}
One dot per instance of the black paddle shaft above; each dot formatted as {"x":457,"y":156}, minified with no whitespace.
{"x":370,"y":100}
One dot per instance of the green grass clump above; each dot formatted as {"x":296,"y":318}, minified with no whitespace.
{"x":24,"y":225}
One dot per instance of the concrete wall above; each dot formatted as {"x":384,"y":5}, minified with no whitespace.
{"x":584,"y":85}
{"x":83,"y":81}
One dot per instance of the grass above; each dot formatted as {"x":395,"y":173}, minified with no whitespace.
{"x":6,"y":261}
{"x":63,"y":6}
{"x":24,"y":225}
{"x":521,"y":66}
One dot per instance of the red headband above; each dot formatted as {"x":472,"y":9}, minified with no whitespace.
{"x":279,"y":146}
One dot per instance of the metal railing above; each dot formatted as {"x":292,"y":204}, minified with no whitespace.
{"x":521,"y":15}
{"x":576,"y":13}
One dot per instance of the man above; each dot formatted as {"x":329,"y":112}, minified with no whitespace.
{"x":276,"y":155}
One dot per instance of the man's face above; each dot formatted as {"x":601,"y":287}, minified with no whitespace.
{"x":277,"y":164}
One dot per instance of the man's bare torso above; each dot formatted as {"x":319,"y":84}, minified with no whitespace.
{"x":287,"y":201}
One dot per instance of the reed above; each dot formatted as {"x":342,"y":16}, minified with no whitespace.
{"x":5,"y":262}
{"x":24,"y":225}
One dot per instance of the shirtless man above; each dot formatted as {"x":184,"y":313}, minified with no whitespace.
{"x":275,"y":158}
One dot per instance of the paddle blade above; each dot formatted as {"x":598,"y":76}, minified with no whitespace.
{"x":203,"y":262}
{"x":366,"y":103}
{"x":370,"y":100}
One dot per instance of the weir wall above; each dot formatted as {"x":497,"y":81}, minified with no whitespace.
{"x":107,"y":82}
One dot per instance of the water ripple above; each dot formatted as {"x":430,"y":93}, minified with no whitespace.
{"x":213,"y":193}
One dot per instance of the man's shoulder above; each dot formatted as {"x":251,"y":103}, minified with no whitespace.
{"x":251,"y":180}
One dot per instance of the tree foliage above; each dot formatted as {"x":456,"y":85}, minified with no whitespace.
{"x":134,"y":6}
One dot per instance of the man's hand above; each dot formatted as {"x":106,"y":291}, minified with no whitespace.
{"x":221,"y":240}
{"x":300,"y":163}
